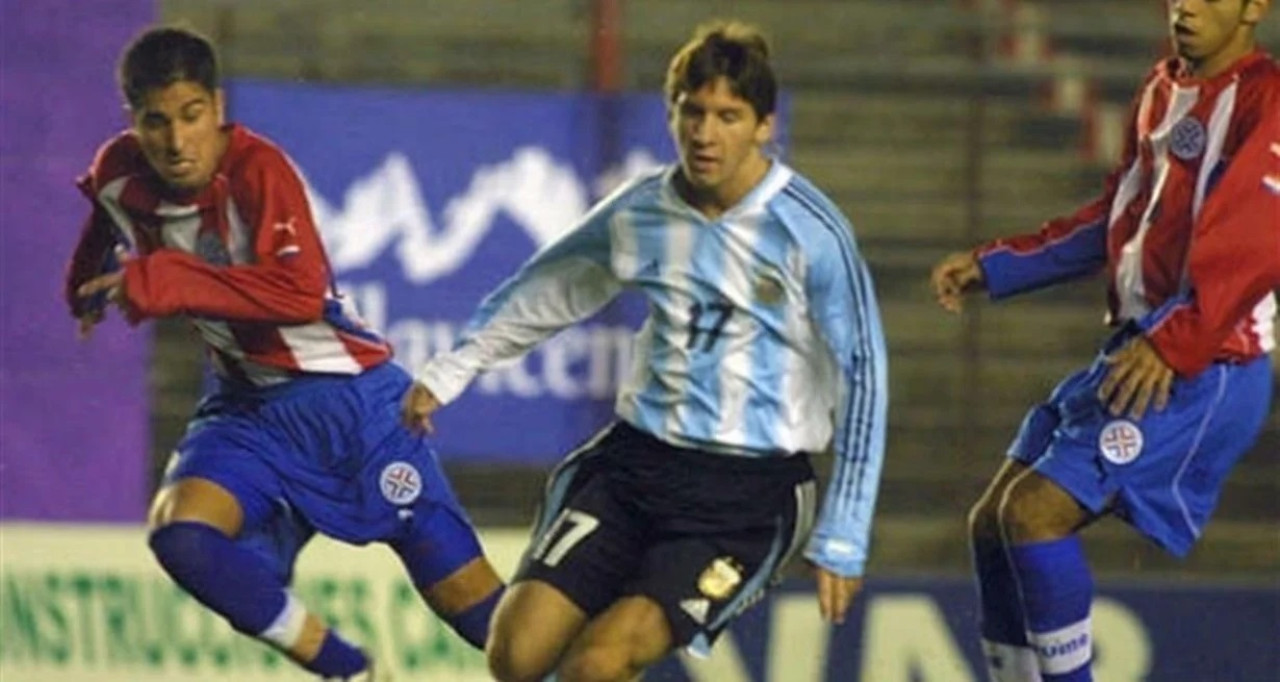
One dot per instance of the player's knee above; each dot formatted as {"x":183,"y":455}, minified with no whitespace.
{"x":180,"y":548}
{"x":595,"y":663}
{"x":511,"y":660}
{"x":984,"y":522}
{"x":1021,"y":519}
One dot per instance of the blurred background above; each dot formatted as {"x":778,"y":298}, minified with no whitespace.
{"x":934,"y":124}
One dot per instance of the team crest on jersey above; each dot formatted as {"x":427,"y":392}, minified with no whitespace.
{"x":1120,"y":441}
{"x":768,"y":289}
{"x":210,"y":249}
{"x":720,"y":578}
{"x":400,"y":483}
{"x":1187,"y":139}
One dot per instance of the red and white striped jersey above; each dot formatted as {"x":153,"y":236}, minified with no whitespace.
{"x":1188,"y":228}
{"x":242,"y":259}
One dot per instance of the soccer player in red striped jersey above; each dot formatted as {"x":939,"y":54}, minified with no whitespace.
{"x":301,"y":433}
{"x":1187,"y":233}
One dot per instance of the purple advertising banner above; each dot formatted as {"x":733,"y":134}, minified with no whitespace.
{"x":73,"y":416}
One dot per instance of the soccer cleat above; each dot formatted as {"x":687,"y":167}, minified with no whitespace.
{"x":374,"y":673}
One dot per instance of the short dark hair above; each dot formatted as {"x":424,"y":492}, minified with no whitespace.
{"x":164,"y":55}
{"x":739,"y":52}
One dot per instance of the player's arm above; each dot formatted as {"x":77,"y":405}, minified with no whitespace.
{"x":1063,"y":249}
{"x":91,"y":257}
{"x":567,"y":281}
{"x":1234,"y":257}
{"x":847,"y":316}
{"x":285,"y":283}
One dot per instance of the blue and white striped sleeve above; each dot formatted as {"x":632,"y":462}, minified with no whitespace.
{"x":565,"y":282}
{"x":844,"y":308}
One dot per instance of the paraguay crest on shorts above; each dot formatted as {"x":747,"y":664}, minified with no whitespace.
{"x":400,"y":483}
{"x":720,"y":578}
{"x":1120,"y":441}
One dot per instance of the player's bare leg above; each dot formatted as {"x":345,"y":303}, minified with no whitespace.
{"x":984,"y":516}
{"x":466,"y":599}
{"x":532,"y":627}
{"x":1040,"y":521}
{"x":1019,"y":506}
{"x":619,"y":644}
{"x":198,"y":500}
{"x":1035,"y":509}
{"x":463,"y":588}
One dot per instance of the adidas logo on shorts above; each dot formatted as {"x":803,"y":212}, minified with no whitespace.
{"x":697,"y":609}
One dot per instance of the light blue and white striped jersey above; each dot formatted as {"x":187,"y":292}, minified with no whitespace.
{"x":763,"y":336}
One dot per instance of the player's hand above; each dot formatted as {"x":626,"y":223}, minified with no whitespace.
{"x":86,"y":322}
{"x":1138,"y":378}
{"x":835,"y":594}
{"x":953,"y":277}
{"x":416,"y":409}
{"x":110,"y":285}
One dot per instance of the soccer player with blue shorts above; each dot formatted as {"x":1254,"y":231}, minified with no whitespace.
{"x":763,"y":345}
{"x":1188,"y":235}
{"x":302,"y":432}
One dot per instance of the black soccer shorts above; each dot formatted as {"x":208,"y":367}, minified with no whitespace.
{"x":702,"y":534}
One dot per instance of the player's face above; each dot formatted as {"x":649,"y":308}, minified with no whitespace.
{"x":180,"y":129}
{"x":719,"y":138}
{"x":1211,"y":34}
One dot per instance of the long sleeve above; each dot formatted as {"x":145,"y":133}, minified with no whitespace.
{"x":93,"y":255}
{"x":1063,"y":249}
{"x":846,"y":314}
{"x":285,"y":283}
{"x":566,"y":282}
{"x":1234,"y":258}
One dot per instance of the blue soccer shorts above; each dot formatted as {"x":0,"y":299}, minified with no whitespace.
{"x":1163,"y":473}
{"x":329,"y":454}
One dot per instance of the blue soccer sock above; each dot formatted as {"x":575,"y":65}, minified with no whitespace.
{"x":220,"y":574}
{"x":241,"y":587}
{"x":1057,"y":590}
{"x":473,"y":623}
{"x":1003,"y":625}
{"x":337,"y":658}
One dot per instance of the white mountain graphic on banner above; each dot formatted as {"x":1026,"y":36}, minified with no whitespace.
{"x":386,"y":210}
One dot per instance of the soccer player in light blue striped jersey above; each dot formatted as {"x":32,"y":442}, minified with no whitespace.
{"x":763,"y":345}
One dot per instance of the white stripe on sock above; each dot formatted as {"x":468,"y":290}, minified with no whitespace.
{"x":1065,"y":649}
{"x":286,"y":629}
{"x":1009,"y":663}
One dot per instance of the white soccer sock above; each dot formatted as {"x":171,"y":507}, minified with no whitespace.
{"x":1065,"y":650}
{"x":286,"y":629}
